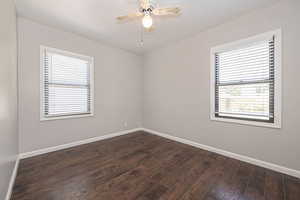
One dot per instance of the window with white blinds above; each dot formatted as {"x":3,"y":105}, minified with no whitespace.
{"x":245,"y":80}
{"x":67,"y":84}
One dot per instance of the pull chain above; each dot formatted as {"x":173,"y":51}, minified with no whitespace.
{"x":142,"y":36}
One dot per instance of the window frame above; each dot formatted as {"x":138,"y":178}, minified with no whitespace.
{"x":89,"y":59}
{"x":277,"y":77}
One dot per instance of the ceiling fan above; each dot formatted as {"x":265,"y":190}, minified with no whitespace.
{"x":147,"y":10}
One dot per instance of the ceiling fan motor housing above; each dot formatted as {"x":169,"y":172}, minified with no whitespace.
{"x":147,"y":10}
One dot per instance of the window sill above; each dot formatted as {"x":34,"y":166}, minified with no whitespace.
{"x":275,"y":125}
{"x":65,"y":117}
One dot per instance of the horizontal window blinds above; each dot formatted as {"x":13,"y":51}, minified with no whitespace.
{"x":245,"y":82}
{"x":66,"y":85}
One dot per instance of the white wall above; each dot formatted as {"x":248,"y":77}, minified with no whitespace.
{"x":118,"y":89}
{"x":8,"y":93}
{"x":175,"y":98}
{"x":177,"y":89}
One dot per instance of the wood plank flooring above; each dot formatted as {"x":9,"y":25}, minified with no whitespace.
{"x":140,"y":166}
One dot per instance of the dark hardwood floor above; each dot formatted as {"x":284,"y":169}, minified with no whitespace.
{"x":140,"y":166}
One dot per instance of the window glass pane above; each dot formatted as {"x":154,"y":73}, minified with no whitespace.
{"x":245,"y":100}
{"x":246,"y":64}
{"x":67,"y":100}
{"x":68,"y":70}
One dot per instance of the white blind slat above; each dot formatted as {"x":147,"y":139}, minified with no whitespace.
{"x":245,"y":82}
{"x":66,"y":85}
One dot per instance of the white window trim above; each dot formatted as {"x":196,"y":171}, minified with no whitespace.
{"x":278,"y":81}
{"x":66,"y":53}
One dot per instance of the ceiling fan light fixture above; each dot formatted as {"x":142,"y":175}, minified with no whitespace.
{"x":147,"y":21}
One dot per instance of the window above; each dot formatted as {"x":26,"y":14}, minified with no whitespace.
{"x":66,"y":84}
{"x":246,"y":82}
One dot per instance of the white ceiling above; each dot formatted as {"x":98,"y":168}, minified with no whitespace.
{"x":95,"y":19}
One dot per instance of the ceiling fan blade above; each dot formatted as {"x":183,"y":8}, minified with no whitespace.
{"x":130,"y":16}
{"x":166,"y":11}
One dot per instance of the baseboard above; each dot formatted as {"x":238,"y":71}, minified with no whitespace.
{"x":12,"y":179}
{"x":247,"y":159}
{"x":77,"y":143}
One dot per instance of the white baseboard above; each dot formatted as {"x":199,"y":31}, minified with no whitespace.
{"x":247,"y":159}
{"x":12,"y":179}
{"x":77,"y":143}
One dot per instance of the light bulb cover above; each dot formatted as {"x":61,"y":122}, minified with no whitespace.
{"x":147,"y":21}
